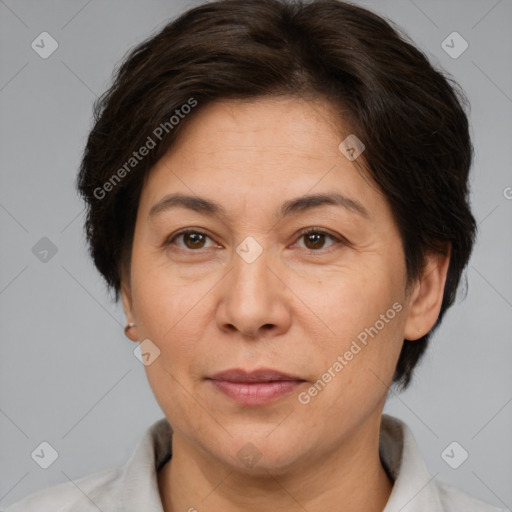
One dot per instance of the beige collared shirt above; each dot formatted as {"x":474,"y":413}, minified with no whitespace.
{"x":133,"y":487}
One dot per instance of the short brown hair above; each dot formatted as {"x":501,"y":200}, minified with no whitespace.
{"x":409,"y":115}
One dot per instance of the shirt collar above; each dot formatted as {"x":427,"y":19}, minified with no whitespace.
{"x":414,"y":489}
{"x":140,"y":478}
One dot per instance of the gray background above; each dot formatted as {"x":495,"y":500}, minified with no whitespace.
{"x":68,"y":375}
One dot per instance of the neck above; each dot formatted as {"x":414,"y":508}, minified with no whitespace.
{"x":349,"y":479}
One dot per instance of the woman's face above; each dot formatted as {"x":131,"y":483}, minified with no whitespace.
{"x":246,"y":290}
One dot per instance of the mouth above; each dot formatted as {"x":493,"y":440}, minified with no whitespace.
{"x":257,"y":387}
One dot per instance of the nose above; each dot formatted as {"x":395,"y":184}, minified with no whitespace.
{"x":255,"y":301}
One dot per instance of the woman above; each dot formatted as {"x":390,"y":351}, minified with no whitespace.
{"x":278,"y":192}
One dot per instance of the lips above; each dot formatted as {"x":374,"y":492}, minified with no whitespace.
{"x":258,"y":387}
{"x":263,"y":375}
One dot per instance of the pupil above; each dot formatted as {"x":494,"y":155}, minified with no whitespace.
{"x":196,"y":237}
{"x":318,"y":238}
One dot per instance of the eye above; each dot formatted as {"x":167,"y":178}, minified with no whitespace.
{"x":315,"y":238}
{"x":192,"y":238}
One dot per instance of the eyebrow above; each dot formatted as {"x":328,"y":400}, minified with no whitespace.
{"x":300,"y":204}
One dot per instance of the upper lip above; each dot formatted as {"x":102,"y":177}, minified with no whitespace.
{"x":261,"y":375}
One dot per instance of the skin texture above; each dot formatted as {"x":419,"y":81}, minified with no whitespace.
{"x":296,"y":308}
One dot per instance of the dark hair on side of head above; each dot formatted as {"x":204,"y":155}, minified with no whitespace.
{"x":409,"y":116}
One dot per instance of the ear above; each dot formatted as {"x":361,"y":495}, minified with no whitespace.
{"x":427,"y":295}
{"x":126,"y":295}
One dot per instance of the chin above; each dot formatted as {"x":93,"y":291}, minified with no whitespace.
{"x":265,"y":463}
{"x":261,"y":451}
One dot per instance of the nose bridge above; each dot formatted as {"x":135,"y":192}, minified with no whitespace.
{"x":252,"y":296}
{"x":250,"y":274}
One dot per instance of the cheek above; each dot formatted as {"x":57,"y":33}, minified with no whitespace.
{"x":364,"y":311}
{"x":168,"y":312}
{"x":350,"y":299}
{"x":163,"y":302}
{"x":355,"y":372}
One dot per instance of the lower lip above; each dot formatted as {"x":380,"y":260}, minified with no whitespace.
{"x":256,"y":393}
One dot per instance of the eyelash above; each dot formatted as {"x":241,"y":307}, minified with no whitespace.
{"x":301,"y":234}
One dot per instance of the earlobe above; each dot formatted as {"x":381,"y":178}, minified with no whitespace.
{"x":427,"y":297}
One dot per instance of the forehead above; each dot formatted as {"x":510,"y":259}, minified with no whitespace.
{"x":261,"y":154}
{"x":269,"y":124}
